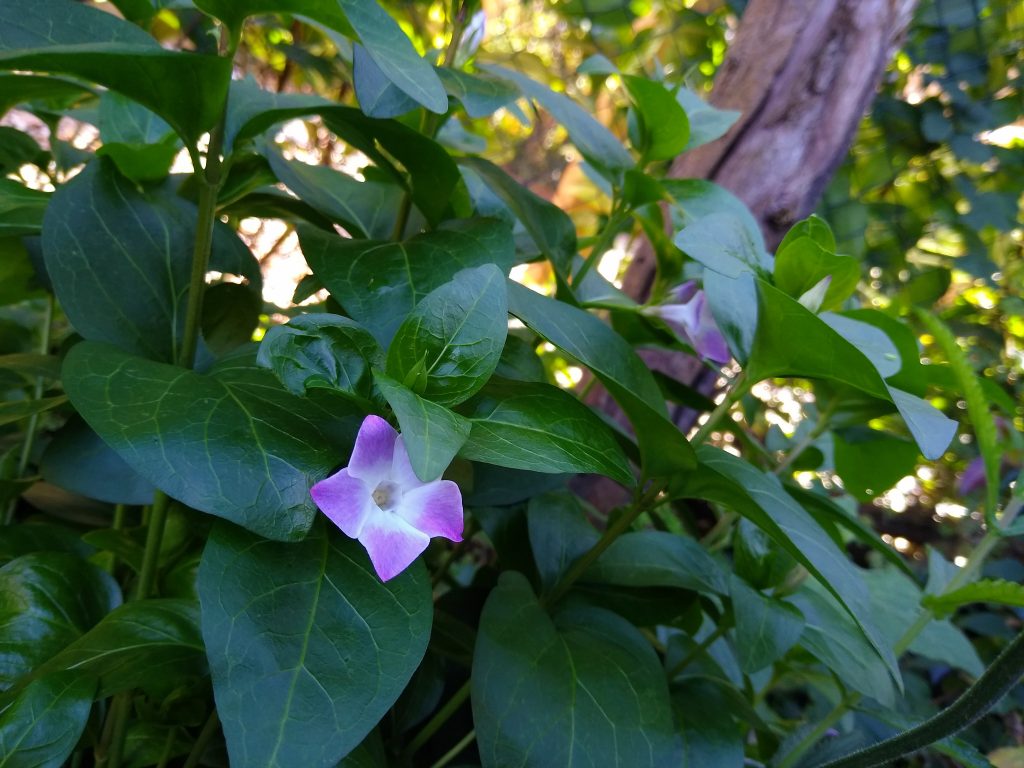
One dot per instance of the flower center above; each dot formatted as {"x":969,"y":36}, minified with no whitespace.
{"x":387,"y":495}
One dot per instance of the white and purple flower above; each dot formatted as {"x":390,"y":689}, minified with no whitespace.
{"x":688,"y":314}
{"x":380,"y":501}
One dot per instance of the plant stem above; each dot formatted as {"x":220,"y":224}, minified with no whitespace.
{"x":601,"y":243}
{"x":737,"y":389}
{"x":151,"y":555}
{"x":203,"y":740}
{"x":704,"y":644}
{"x":455,"y":751}
{"x":439,"y":719}
{"x":119,"y":711}
{"x":819,"y":429}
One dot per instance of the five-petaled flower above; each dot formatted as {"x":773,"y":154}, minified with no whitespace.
{"x":688,"y":314}
{"x":380,"y":501}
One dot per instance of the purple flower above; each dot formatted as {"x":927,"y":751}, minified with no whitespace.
{"x":378,"y":500}
{"x":973,"y":477}
{"x":688,"y":314}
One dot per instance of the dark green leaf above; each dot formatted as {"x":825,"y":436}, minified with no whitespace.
{"x":231,"y":313}
{"x":765,"y":627}
{"x":559,"y":534}
{"x":710,"y":736}
{"x":697,"y":199}
{"x":455,"y":334}
{"x":48,"y":600}
{"x":377,"y":95}
{"x":41,"y":727}
{"x":17,"y":149}
{"x":663,"y":122}
{"x":659,"y":559}
{"x":871,"y":462}
{"x":233,"y":444}
{"x":707,"y":123}
{"x":21,"y":209}
{"x":480,"y":96}
{"x":584,"y":687}
{"x":308,"y":649}
{"x":31,"y":365}
{"x":379,"y":283}
{"x":996,"y":591}
{"x":541,"y":428}
{"x":802,"y":263}
{"x":50,"y":91}
{"x":870,"y":341}
{"x":26,"y":538}
{"x":16,"y":410}
{"x":252,"y":110}
{"x":140,"y":143}
{"x":757,"y":559}
{"x":578,"y":333}
{"x":432,"y":433}
{"x":186,"y":89}
{"x":722,"y":242}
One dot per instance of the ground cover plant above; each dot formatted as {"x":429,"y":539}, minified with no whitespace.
{"x":392,"y":523}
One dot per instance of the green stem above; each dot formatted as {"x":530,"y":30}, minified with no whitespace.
{"x":119,"y":712}
{"x":203,"y":740}
{"x":151,"y":555}
{"x":704,"y":644}
{"x":439,"y":719}
{"x":737,"y":389}
{"x":819,"y":429}
{"x":455,"y":751}
{"x":601,"y":244}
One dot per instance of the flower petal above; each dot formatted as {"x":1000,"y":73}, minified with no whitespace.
{"x":708,"y":340}
{"x":391,"y":543}
{"x":345,"y":500}
{"x":434,"y":508}
{"x":372,"y":455}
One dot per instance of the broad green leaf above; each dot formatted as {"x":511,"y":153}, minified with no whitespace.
{"x":41,"y":727}
{"x":480,"y":96}
{"x":813,"y":227}
{"x":559,"y":534}
{"x":233,"y":444}
{"x":519,"y":360}
{"x":897,"y":601}
{"x":60,"y":36}
{"x":231,"y":314}
{"x":450,"y":344}
{"x":766,"y":627}
{"x":550,"y":227}
{"x":21,"y":209}
{"x":757,"y":559}
{"x":871,"y":462}
{"x":322,"y":351}
{"x":996,"y":591}
{"x":379,"y":283}
{"x":365,"y":208}
{"x":17,"y":148}
{"x":802,"y":263}
{"x":663,"y":124}
{"x":541,"y":428}
{"x":595,"y":142}
{"x":432,"y":433}
{"x":870,"y":341}
{"x":16,"y":410}
{"x":251,"y":110}
{"x":912,"y":376}
{"x":728,"y":480}
{"x":120,"y":259}
{"x":722,"y":242}
{"x":48,"y":600}
{"x":658,"y":559}
{"x":153,"y":644}
{"x":19,"y":279}
{"x":696,"y":199}
{"x":663,"y":447}
{"x":78,"y":460}
{"x":28,"y":537}
{"x":47,"y":91}
{"x":707,"y":123}
{"x":710,"y":736}
{"x":140,"y":143}
{"x":582,"y":688}
{"x":307,"y":648}
{"x":824,"y":354}
{"x":377,"y":95}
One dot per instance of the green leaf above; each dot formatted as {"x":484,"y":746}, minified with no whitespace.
{"x":379,"y":283}
{"x":232,"y":444}
{"x":456,"y":332}
{"x":658,"y":559}
{"x":41,"y":727}
{"x":985,"y":591}
{"x":584,"y":687}
{"x":231,"y":314}
{"x":251,"y":110}
{"x":432,"y":433}
{"x":802,"y":263}
{"x":364,"y":208}
{"x":595,"y":142}
{"x":696,"y":199}
{"x":48,"y":91}
{"x":559,"y":534}
{"x":710,"y":736}
{"x":18,"y":276}
{"x":480,"y":96}
{"x":153,"y":644}
{"x":871,"y":462}
{"x":707,"y":123}
{"x":663,"y":122}
{"x":322,"y":351}
{"x":25,"y":538}
{"x":120,"y":259}
{"x":760,"y":497}
{"x":757,"y":559}
{"x":766,"y":627}
{"x":78,"y":460}
{"x":31,"y":365}
{"x":17,"y":149}
{"x":870,"y":341}
{"x":48,"y":600}
{"x":722,"y":242}
{"x":21,"y":209}
{"x":140,"y":143}
{"x":186,"y":89}
{"x":663,"y":447}
{"x":377,"y":95}
{"x":16,"y":410}
{"x":550,"y":227}
{"x":308,"y":649}
{"x":541,"y":428}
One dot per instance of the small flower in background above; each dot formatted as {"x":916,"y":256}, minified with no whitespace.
{"x":378,"y":500}
{"x":688,"y":314}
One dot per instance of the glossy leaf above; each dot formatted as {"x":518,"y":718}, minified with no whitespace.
{"x":541,"y":428}
{"x":722,"y":242}
{"x":379,"y":283}
{"x":578,"y":333}
{"x":377,"y":95}
{"x":41,"y":727}
{"x":559,"y":534}
{"x":707,"y":123}
{"x":658,"y":559}
{"x":47,"y":91}
{"x":454,"y":336}
{"x":233,"y":444}
{"x":765,"y":627}
{"x":710,"y":736}
{"x":432,"y":433}
{"x":663,"y":123}
{"x":60,"y":36}
{"x":802,"y":263}
{"x":48,"y":600}
{"x":308,"y":649}
{"x":480,"y":96}
{"x":583,"y":687}
{"x":252,"y":110}
{"x":871,"y":462}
